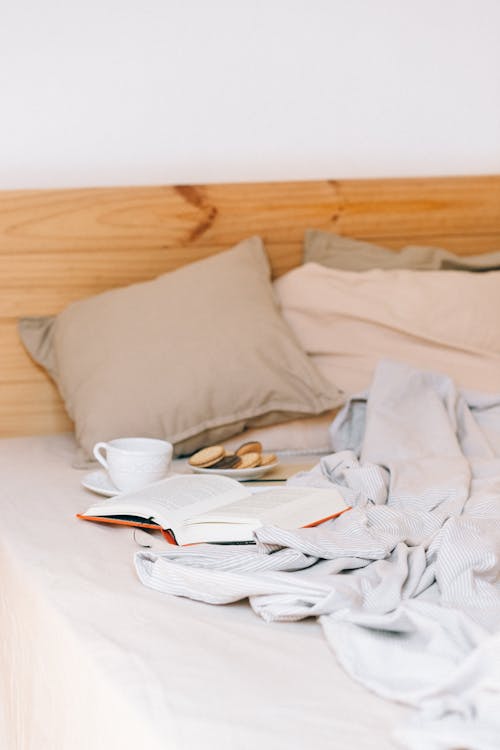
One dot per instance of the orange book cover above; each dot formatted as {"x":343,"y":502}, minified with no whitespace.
{"x":136,"y":524}
{"x":191,"y":509}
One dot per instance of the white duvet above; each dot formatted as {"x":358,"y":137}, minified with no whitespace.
{"x":405,"y":585}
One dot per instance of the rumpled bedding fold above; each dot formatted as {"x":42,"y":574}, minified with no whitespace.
{"x":406,"y":584}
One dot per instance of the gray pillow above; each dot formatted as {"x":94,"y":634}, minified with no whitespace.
{"x":193,"y":356}
{"x":347,"y":254}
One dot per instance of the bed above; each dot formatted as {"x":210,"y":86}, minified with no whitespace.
{"x":90,"y":658}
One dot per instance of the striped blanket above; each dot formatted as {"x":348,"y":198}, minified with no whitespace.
{"x":406,"y":585}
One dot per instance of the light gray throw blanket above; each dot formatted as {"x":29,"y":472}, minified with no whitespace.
{"x":417,"y":616}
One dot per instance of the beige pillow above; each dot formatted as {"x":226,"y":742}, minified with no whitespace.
{"x":193,"y":356}
{"x":347,"y":321}
{"x":306,"y":435}
{"x":348,"y":254}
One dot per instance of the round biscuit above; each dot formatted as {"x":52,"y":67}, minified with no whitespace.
{"x":252,"y":447}
{"x":227,"y":462}
{"x":267,"y":458}
{"x":248,"y":461}
{"x":207,"y":456}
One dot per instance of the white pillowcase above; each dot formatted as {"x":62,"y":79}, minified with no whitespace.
{"x":346,"y":321}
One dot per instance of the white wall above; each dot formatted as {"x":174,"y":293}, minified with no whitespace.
{"x":108,"y":92}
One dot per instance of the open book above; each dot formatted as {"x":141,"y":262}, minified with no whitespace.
{"x":193,"y":509}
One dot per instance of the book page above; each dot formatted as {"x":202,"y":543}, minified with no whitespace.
{"x":288,"y":507}
{"x":172,"y":500}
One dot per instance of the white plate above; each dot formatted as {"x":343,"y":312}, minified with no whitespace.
{"x":99,"y":481}
{"x":257,"y":471}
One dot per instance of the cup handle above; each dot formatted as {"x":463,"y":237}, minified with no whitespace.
{"x":98,"y":447}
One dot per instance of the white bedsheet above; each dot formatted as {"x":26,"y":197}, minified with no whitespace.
{"x":91,"y":659}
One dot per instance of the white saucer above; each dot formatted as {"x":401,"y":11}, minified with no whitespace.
{"x":99,"y":481}
{"x":256,"y":471}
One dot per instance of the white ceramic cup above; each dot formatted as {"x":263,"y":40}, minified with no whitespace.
{"x":133,"y":463}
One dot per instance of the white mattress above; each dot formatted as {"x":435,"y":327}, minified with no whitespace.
{"x":92,"y":659}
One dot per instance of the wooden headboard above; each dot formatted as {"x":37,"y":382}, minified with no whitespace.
{"x":57,"y":246}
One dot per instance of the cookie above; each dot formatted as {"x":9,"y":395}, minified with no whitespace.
{"x":228,"y":462}
{"x":267,"y":458}
{"x":252,"y":447}
{"x":207,"y":456}
{"x":248,"y":460}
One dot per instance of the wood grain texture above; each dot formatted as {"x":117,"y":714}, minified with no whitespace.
{"x":57,"y":246}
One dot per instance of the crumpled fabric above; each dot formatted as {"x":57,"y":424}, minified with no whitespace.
{"x":406,"y":584}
